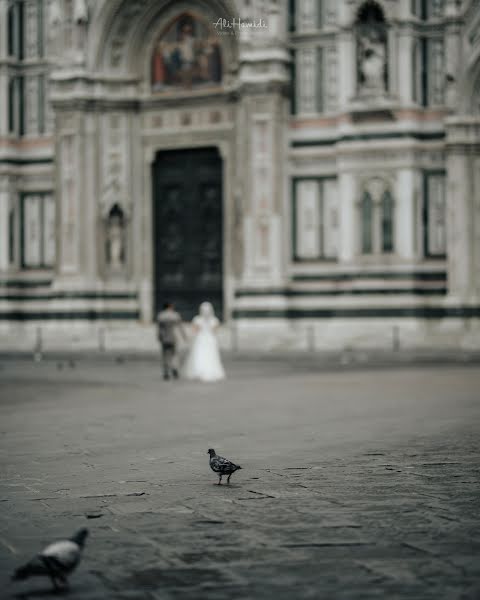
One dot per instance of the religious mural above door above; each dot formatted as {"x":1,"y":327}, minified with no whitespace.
{"x":186,"y":55}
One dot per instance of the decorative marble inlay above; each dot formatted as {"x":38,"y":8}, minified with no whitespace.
{"x":69,"y":213}
{"x":306,"y":80}
{"x":262,"y":183}
{"x":307,"y":219}
{"x":436,"y":213}
{"x":331,"y":79}
{"x":31,"y":28}
{"x":49,"y":229}
{"x":437,"y":69}
{"x":32,"y":237}
{"x":128,"y":14}
{"x":32,"y":104}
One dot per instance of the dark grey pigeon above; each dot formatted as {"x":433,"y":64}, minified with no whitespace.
{"x":56,"y":561}
{"x":222,"y":466}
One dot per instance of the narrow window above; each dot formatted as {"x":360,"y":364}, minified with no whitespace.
{"x":387,"y":222}
{"x":11,"y":105}
{"x":21,"y":106}
{"x":20,"y":29}
{"x":319,"y":80}
{"x":11,"y":30}
{"x":367,"y":221}
{"x":291,"y":15}
{"x":434,"y":218}
{"x":41,"y":104}
{"x":11,"y":236}
{"x":424,"y":70}
{"x":40,"y":31}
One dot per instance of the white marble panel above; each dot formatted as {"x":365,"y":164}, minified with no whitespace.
{"x":307,"y":234}
{"x":330,"y":218}
{"x":436,"y":215}
{"x":49,"y":242}
{"x":306,"y":15}
{"x":32,"y":234}
{"x":306,"y":80}
{"x":4,"y":230}
{"x":69,"y":198}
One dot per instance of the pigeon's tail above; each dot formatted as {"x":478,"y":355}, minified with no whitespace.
{"x":34,"y":567}
{"x":238,"y":467}
{"x":21,"y":573}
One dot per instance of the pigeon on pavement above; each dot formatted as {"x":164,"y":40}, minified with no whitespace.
{"x":56,"y":561}
{"x":222,"y":466}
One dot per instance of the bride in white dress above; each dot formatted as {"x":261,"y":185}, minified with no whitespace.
{"x":203,"y":361}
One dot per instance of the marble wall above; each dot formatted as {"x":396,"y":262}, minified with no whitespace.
{"x":316,"y":110}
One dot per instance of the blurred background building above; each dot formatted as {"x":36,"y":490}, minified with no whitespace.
{"x":316,"y":175}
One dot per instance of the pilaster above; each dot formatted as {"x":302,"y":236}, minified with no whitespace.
{"x":463,"y":208}
{"x":347,"y":210}
{"x":4,"y":230}
{"x":404,"y":215}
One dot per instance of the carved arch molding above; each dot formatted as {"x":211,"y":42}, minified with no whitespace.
{"x":124,"y":30}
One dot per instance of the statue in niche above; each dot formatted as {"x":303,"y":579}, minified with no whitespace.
{"x":55,"y":16}
{"x":115,"y":249}
{"x":80,"y":18}
{"x":80,"y":12}
{"x":371,"y":49}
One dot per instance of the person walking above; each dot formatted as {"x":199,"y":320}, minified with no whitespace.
{"x":168,"y":322}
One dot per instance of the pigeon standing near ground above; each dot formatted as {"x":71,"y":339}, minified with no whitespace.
{"x":222,"y":466}
{"x":56,"y":561}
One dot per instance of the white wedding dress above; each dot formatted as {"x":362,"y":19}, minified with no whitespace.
{"x":203,"y":361}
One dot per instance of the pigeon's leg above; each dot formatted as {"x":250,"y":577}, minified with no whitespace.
{"x":228,"y":478}
{"x":219,"y":480}
{"x":56,"y":586}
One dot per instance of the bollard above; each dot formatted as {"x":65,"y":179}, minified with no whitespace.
{"x":396,"y":338}
{"x":37,"y":353}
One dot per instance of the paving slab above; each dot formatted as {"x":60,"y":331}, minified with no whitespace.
{"x":356,"y":483}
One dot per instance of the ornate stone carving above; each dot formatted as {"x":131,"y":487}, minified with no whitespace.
{"x":128,"y":15}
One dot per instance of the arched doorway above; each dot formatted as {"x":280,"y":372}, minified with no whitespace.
{"x":187,"y":229}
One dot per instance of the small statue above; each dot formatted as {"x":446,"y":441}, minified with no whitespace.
{"x":54,"y":14}
{"x":115,"y":239}
{"x":80,"y":12}
{"x":372,"y":61}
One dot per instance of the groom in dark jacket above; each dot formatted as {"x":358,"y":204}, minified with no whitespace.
{"x":168,"y":321}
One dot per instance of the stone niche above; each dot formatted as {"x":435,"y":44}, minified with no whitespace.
{"x":114,"y":247}
{"x":372,"y":52}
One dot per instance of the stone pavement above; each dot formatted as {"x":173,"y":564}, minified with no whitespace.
{"x":355,"y":483}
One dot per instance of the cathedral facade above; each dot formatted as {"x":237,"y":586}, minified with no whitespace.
{"x":311,"y":167}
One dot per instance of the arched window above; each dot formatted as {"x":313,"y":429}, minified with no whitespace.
{"x":187,"y":54}
{"x":376,"y":218}
{"x":387,"y":222}
{"x":367,"y":222}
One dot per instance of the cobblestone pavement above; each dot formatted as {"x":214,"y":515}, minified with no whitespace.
{"x":355,"y":484}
